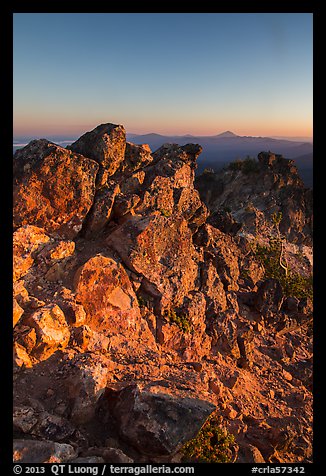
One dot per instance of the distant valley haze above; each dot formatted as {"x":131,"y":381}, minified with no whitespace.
{"x":218,"y":150}
{"x":225,"y":147}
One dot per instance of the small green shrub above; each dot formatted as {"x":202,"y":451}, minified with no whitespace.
{"x":213,"y":444}
{"x":235,"y":165}
{"x":141,"y":301}
{"x":293,"y":284}
{"x":165,"y":213}
{"x":298,"y":286}
{"x":179,"y":320}
{"x":208,"y":170}
{"x":245,"y":273}
{"x":248,"y":166}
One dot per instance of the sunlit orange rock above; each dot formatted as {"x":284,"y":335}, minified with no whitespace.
{"x":53,"y":189}
{"x":27,"y":241}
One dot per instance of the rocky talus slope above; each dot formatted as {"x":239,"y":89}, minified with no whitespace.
{"x":137,"y":318}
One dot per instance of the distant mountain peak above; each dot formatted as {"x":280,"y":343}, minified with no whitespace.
{"x":227,"y":134}
{"x":153,"y":134}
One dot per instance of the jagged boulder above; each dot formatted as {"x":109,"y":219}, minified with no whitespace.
{"x":101,"y":210}
{"x":220,"y":250}
{"x":189,"y":205}
{"x":173,"y":152}
{"x":168,"y":186}
{"x":159,"y":183}
{"x":160,"y":249}
{"x":106,"y":144}
{"x":27,"y":242}
{"x":212,"y":288}
{"x":253,"y":191}
{"x":245,"y":340}
{"x":74,"y":312}
{"x":250,"y":454}
{"x":38,"y":423}
{"x":104,"y":289}
{"x":223,"y":330}
{"x":224,"y":221}
{"x":269,"y":298}
{"x":21,"y":357}
{"x":157,"y":424}
{"x":17,"y":312}
{"x":136,"y":157}
{"x":53,"y":189}
{"x":52,"y":332}
{"x":133,"y":184}
{"x":55,"y":259}
{"x":183,"y":329}
{"x":251,"y":271}
{"x":124,"y":206}
{"x":158,"y":197}
{"x":85,"y":383}
{"x":297,"y":221}
{"x":35,"y":451}
{"x":20,"y":293}
{"x":114,"y":455}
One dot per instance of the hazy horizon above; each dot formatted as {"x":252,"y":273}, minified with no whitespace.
{"x":65,"y":137}
{"x":173,"y":74}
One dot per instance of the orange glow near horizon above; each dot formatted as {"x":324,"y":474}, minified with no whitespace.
{"x":38,"y":128}
{"x":171,"y":74}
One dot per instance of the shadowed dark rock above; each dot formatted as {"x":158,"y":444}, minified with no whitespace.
{"x":34,"y":451}
{"x":158,"y":424}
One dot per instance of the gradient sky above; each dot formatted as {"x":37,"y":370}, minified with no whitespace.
{"x":168,"y":73}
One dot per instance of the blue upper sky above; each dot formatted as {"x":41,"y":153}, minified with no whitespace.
{"x":168,"y":73}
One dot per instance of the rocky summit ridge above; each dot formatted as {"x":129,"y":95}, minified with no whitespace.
{"x":252,"y":191}
{"x":143,"y":312}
